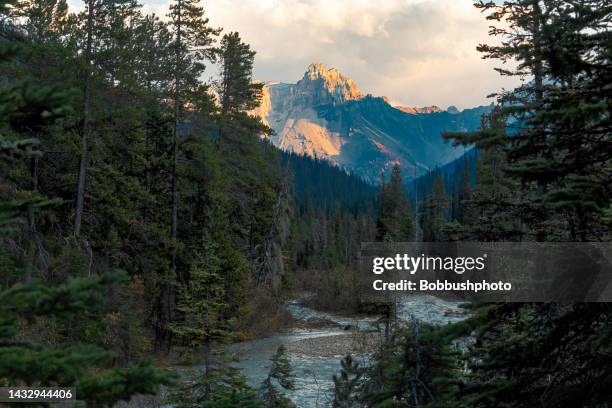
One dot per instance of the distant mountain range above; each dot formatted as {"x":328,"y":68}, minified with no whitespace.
{"x":325,"y":115}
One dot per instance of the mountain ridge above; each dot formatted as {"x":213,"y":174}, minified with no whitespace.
{"x":325,"y":115}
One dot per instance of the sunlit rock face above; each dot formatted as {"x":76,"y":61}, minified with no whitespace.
{"x":415,"y":109}
{"x":325,"y":115}
{"x":322,"y":86}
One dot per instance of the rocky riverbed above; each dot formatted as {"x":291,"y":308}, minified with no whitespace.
{"x":319,"y":340}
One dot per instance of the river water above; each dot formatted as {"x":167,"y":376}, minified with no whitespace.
{"x":315,"y":352}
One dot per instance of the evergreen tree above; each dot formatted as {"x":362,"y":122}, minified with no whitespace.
{"x":91,"y":18}
{"x":222,"y":387}
{"x":324,"y":185}
{"x":347,"y":384}
{"x":495,"y":210}
{"x":560,"y":121}
{"x":44,"y":20}
{"x":281,"y":373}
{"x":201,"y":304}
{"x":237,"y":90}
{"x":32,"y":363}
{"x":394,"y":221}
{"x":435,"y":209}
{"x":417,"y":367}
{"x":117,"y":48}
{"x":192,"y":46}
{"x":255,"y":166}
{"x":464,"y":194}
{"x":232,"y":398}
{"x":519,"y":347}
{"x":535,"y":158}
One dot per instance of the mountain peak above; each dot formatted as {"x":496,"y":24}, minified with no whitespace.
{"x":315,"y":70}
{"x":337,"y":87}
{"x":324,"y":115}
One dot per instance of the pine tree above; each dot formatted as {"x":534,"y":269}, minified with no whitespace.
{"x":86,"y":366}
{"x":116,"y":54}
{"x":173,"y":60}
{"x":281,"y":373}
{"x":192,"y":46}
{"x":45,"y":20}
{"x":259,"y":184}
{"x":544,"y":156}
{"x":27,"y":362}
{"x":560,"y":120}
{"x":237,"y":90}
{"x":435,"y":208}
{"x":495,"y":209}
{"x":416,"y":368}
{"x":464,"y":194}
{"x":346,"y":385}
{"x":394,"y":221}
{"x":232,"y":398}
{"x":92,"y":8}
{"x":201,"y":304}
{"x":518,"y":348}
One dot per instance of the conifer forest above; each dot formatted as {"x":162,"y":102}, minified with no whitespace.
{"x":158,"y":248}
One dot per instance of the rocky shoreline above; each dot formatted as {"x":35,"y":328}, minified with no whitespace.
{"x":338,"y":345}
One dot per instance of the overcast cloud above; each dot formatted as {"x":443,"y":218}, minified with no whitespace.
{"x":416,"y":52}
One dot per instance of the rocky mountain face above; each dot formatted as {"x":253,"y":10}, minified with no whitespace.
{"x":325,"y":115}
{"x":416,"y":109}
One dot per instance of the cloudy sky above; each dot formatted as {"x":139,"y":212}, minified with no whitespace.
{"x":416,"y":52}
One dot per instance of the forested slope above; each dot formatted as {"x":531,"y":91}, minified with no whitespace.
{"x":127,"y":230}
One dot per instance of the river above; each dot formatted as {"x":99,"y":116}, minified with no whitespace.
{"x":318,"y":340}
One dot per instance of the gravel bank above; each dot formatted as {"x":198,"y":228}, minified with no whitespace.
{"x":356,"y":343}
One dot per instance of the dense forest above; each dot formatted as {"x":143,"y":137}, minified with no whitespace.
{"x":543,"y":173}
{"x":142,"y":214}
{"x":144,"y":220}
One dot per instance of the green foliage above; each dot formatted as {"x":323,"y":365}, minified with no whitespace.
{"x":435,"y":209}
{"x":198,"y":223}
{"x":347,"y":383}
{"x":318,"y":183}
{"x":27,"y":107}
{"x":323,"y":249}
{"x":394,"y":222}
{"x":107,"y":387}
{"x":560,"y":121}
{"x":135,"y":178}
{"x":201,"y":303}
{"x":110,"y":160}
{"x":82,"y":365}
{"x":192,"y":42}
{"x":520,"y":345}
{"x":218,"y":384}
{"x":417,"y":367}
{"x":494,"y":210}
{"x":281,"y":369}
{"x":237,"y":90}
{"x":280,"y":373}
{"x":542,"y":176}
{"x":231,"y":398}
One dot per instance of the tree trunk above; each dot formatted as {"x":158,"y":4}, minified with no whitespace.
{"x":32,"y":235}
{"x":80,"y":198}
{"x":177,"y":114}
{"x":538,"y":71}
